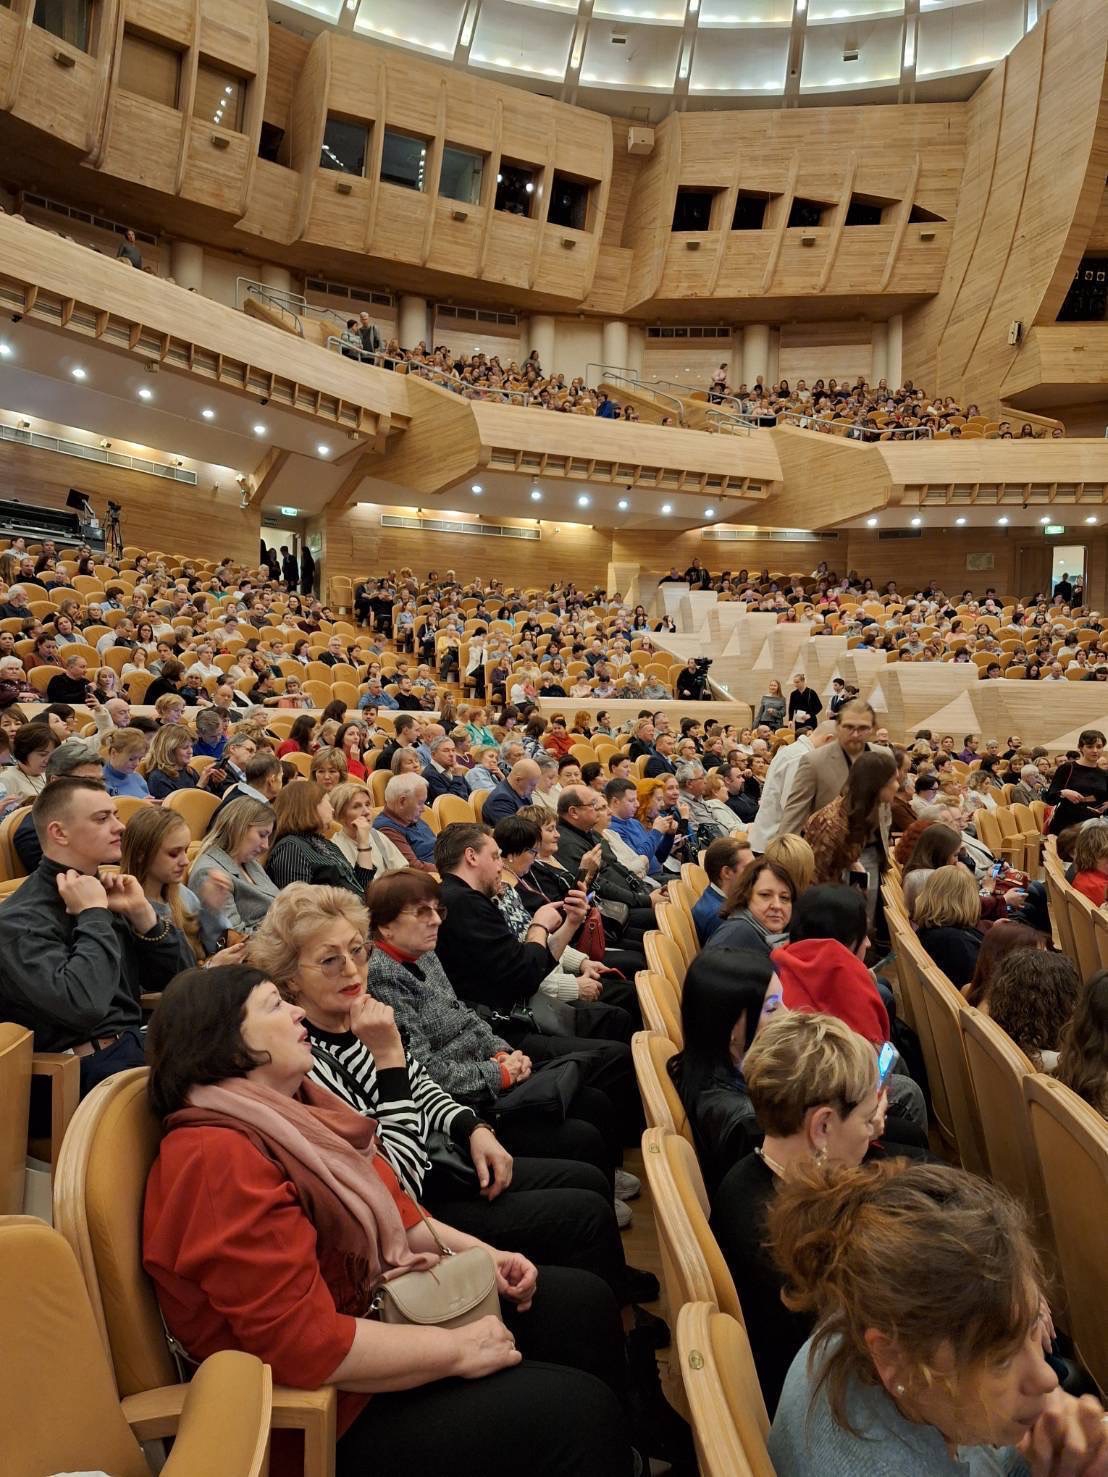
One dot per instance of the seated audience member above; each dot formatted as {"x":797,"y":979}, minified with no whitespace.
{"x":78,"y":950}
{"x":724,"y":994}
{"x":512,"y":793}
{"x":756,"y":915}
{"x":262,"y":780}
{"x":1004,"y":936}
{"x":812,"y":1083}
{"x":314,"y":946}
{"x":169,"y":710}
{"x":166,"y":765}
{"x":301,"y":739}
{"x":724,"y":860}
{"x":73,"y":759}
{"x":352,"y":807}
{"x":351,"y":741}
{"x":945,"y":916}
{"x":155,"y":852}
{"x":72,"y":684}
{"x":654,"y":844}
{"x":31,"y":747}
{"x":1032,"y":995}
{"x":210,"y":740}
{"x":249,"y":1137}
{"x":237,"y":839}
{"x":406,"y":733}
{"x":486,"y":773}
{"x":402,"y":821}
{"x":579,"y":811}
{"x":328,"y":768}
{"x":302,"y":850}
{"x":1083,"y":1059}
{"x":1090,"y":863}
{"x":443,"y":774}
{"x":936,"y":846}
{"x":928,"y":1350}
{"x":125,"y":749}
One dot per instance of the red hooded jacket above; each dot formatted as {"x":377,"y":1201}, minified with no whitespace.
{"x":823,"y":975}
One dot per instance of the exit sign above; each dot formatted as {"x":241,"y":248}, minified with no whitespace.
{"x":1053,"y":529}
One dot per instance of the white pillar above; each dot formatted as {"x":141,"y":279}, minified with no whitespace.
{"x":540,"y":337}
{"x":894,"y":372}
{"x":186,"y":265}
{"x":613,"y":344}
{"x":636,"y":349}
{"x":755,"y":353}
{"x":773,"y":374}
{"x":411,"y":320}
{"x":879,"y":354}
{"x":279,"y":278}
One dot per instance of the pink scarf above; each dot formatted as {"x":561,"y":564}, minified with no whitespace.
{"x":319,"y":1139}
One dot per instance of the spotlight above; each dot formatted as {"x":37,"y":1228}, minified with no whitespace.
{"x":667,"y":508}
{"x":709,"y":512}
{"x":584,"y":500}
{"x":323,"y":449}
{"x":259,"y":429}
{"x":5,"y":350}
{"x":208,"y":413}
{"x":1002,"y":522}
{"x":871,"y":522}
{"x":477,"y":489}
{"x":145,"y":394}
{"x":1091,"y":518}
{"x":960,"y":522}
{"x":536,"y":495}
{"x":623,"y":505}
{"x":916,"y":522}
{"x":78,"y":373}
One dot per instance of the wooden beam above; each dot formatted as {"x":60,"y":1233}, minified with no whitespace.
{"x":838,"y":225}
{"x":787,"y":198}
{"x":903,"y":215}
{"x":349,"y":485}
{"x":434,"y":172}
{"x":265,"y":474}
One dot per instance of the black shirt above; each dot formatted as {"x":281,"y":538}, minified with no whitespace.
{"x":482,"y":957}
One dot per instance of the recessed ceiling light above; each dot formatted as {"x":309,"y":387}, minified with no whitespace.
{"x":916,"y":522}
{"x":961,"y":522}
{"x":871,"y":522}
{"x":208,"y":413}
{"x":623,"y":505}
{"x":1091,"y":518}
{"x":5,"y":350}
{"x":1045,"y":518}
{"x":145,"y":394}
{"x":259,"y":429}
{"x":667,"y":507}
{"x":709,"y":512}
{"x":78,"y":373}
{"x":1003,"y":522}
{"x":584,"y":500}
{"x":536,"y":495}
{"x":477,"y":489}
{"x":323,"y":449}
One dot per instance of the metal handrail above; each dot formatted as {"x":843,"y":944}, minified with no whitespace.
{"x":730,"y":425}
{"x":614,"y":375}
{"x":272,"y":299}
{"x":452,"y":382}
{"x":904,"y":433}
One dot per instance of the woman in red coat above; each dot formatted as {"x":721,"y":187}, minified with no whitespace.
{"x":271,"y":1220}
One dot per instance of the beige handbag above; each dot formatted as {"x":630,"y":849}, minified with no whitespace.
{"x":460,"y":1290}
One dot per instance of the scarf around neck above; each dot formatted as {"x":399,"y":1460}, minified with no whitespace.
{"x":772,"y":940}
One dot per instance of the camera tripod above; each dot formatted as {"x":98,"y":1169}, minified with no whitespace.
{"x":113,"y":537}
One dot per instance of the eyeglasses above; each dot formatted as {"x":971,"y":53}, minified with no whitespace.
{"x":333,"y":965}
{"x":424,"y":912}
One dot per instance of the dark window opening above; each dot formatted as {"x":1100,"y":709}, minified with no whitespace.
{"x":345,"y":146}
{"x":69,"y":20}
{"x":461,"y":174}
{"x":750,"y":211}
{"x":403,"y":160}
{"x":808,"y":213}
{"x":515,"y":188}
{"x":569,"y":202}
{"x":269,"y":143}
{"x":863,"y":212}
{"x":692,"y":211}
{"x":1087,"y":299}
{"x":917,"y":216}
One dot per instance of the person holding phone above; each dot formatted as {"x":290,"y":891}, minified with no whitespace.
{"x":818,"y":1095}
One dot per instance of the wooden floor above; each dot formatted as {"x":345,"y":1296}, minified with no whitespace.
{"x":640,"y":1247}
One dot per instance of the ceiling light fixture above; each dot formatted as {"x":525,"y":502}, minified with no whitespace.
{"x":323,"y":449}
{"x":916,"y":522}
{"x":5,"y":350}
{"x":145,"y":394}
{"x":1091,"y":518}
{"x":208,"y":413}
{"x":623,"y":505}
{"x":477,"y":489}
{"x":709,"y":512}
{"x":1003,"y":522}
{"x":871,"y":522}
{"x":259,"y":429}
{"x":78,"y":373}
{"x":584,"y":500}
{"x":667,"y":508}
{"x":1045,"y":518}
{"x":960,"y":522}
{"x":536,"y":495}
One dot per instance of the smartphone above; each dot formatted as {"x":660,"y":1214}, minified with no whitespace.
{"x":885,"y":1058}
{"x":859,"y":879}
{"x":584,"y":877}
{"x":590,"y":898}
{"x":997,"y":868}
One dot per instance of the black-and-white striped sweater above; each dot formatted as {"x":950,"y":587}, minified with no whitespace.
{"x":406,"y":1102}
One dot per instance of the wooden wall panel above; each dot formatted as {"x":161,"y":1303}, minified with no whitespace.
{"x":336,"y":219}
{"x":647,"y":227}
{"x":143,"y":141}
{"x":287,"y":55}
{"x":229,"y":33}
{"x":157,"y":514}
{"x":61,"y":101}
{"x":214,"y":176}
{"x":11,"y":38}
{"x":274,"y":203}
{"x":167,"y":20}
{"x":399,"y":221}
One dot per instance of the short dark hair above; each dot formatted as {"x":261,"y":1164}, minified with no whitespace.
{"x":590,"y":772}
{"x":616,"y":788}
{"x":388,"y":896}
{"x":829,"y":912}
{"x":58,"y":710}
{"x":454,"y":840}
{"x":195,"y":1035}
{"x":261,"y":763}
{"x":516,"y":834}
{"x":402,"y":724}
{"x":54,"y":800}
{"x":31,"y":739}
{"x":566,"y":760}
{"x":722,"y":853}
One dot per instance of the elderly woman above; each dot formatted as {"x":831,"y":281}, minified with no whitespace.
{"x":314,"y":946}
{"x":237,"y":839}
{"x":486,"y":773}
{"x":302,"y":850}
{"x":756,"y":915}
{"x":328,"y":768}
{"x":304,"y":1216}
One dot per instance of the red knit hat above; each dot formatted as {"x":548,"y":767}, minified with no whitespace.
{"x":823,"y":975}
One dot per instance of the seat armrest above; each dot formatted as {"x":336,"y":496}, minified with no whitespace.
{"x":63,"y":1071}
{"x":225,"y":1420}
